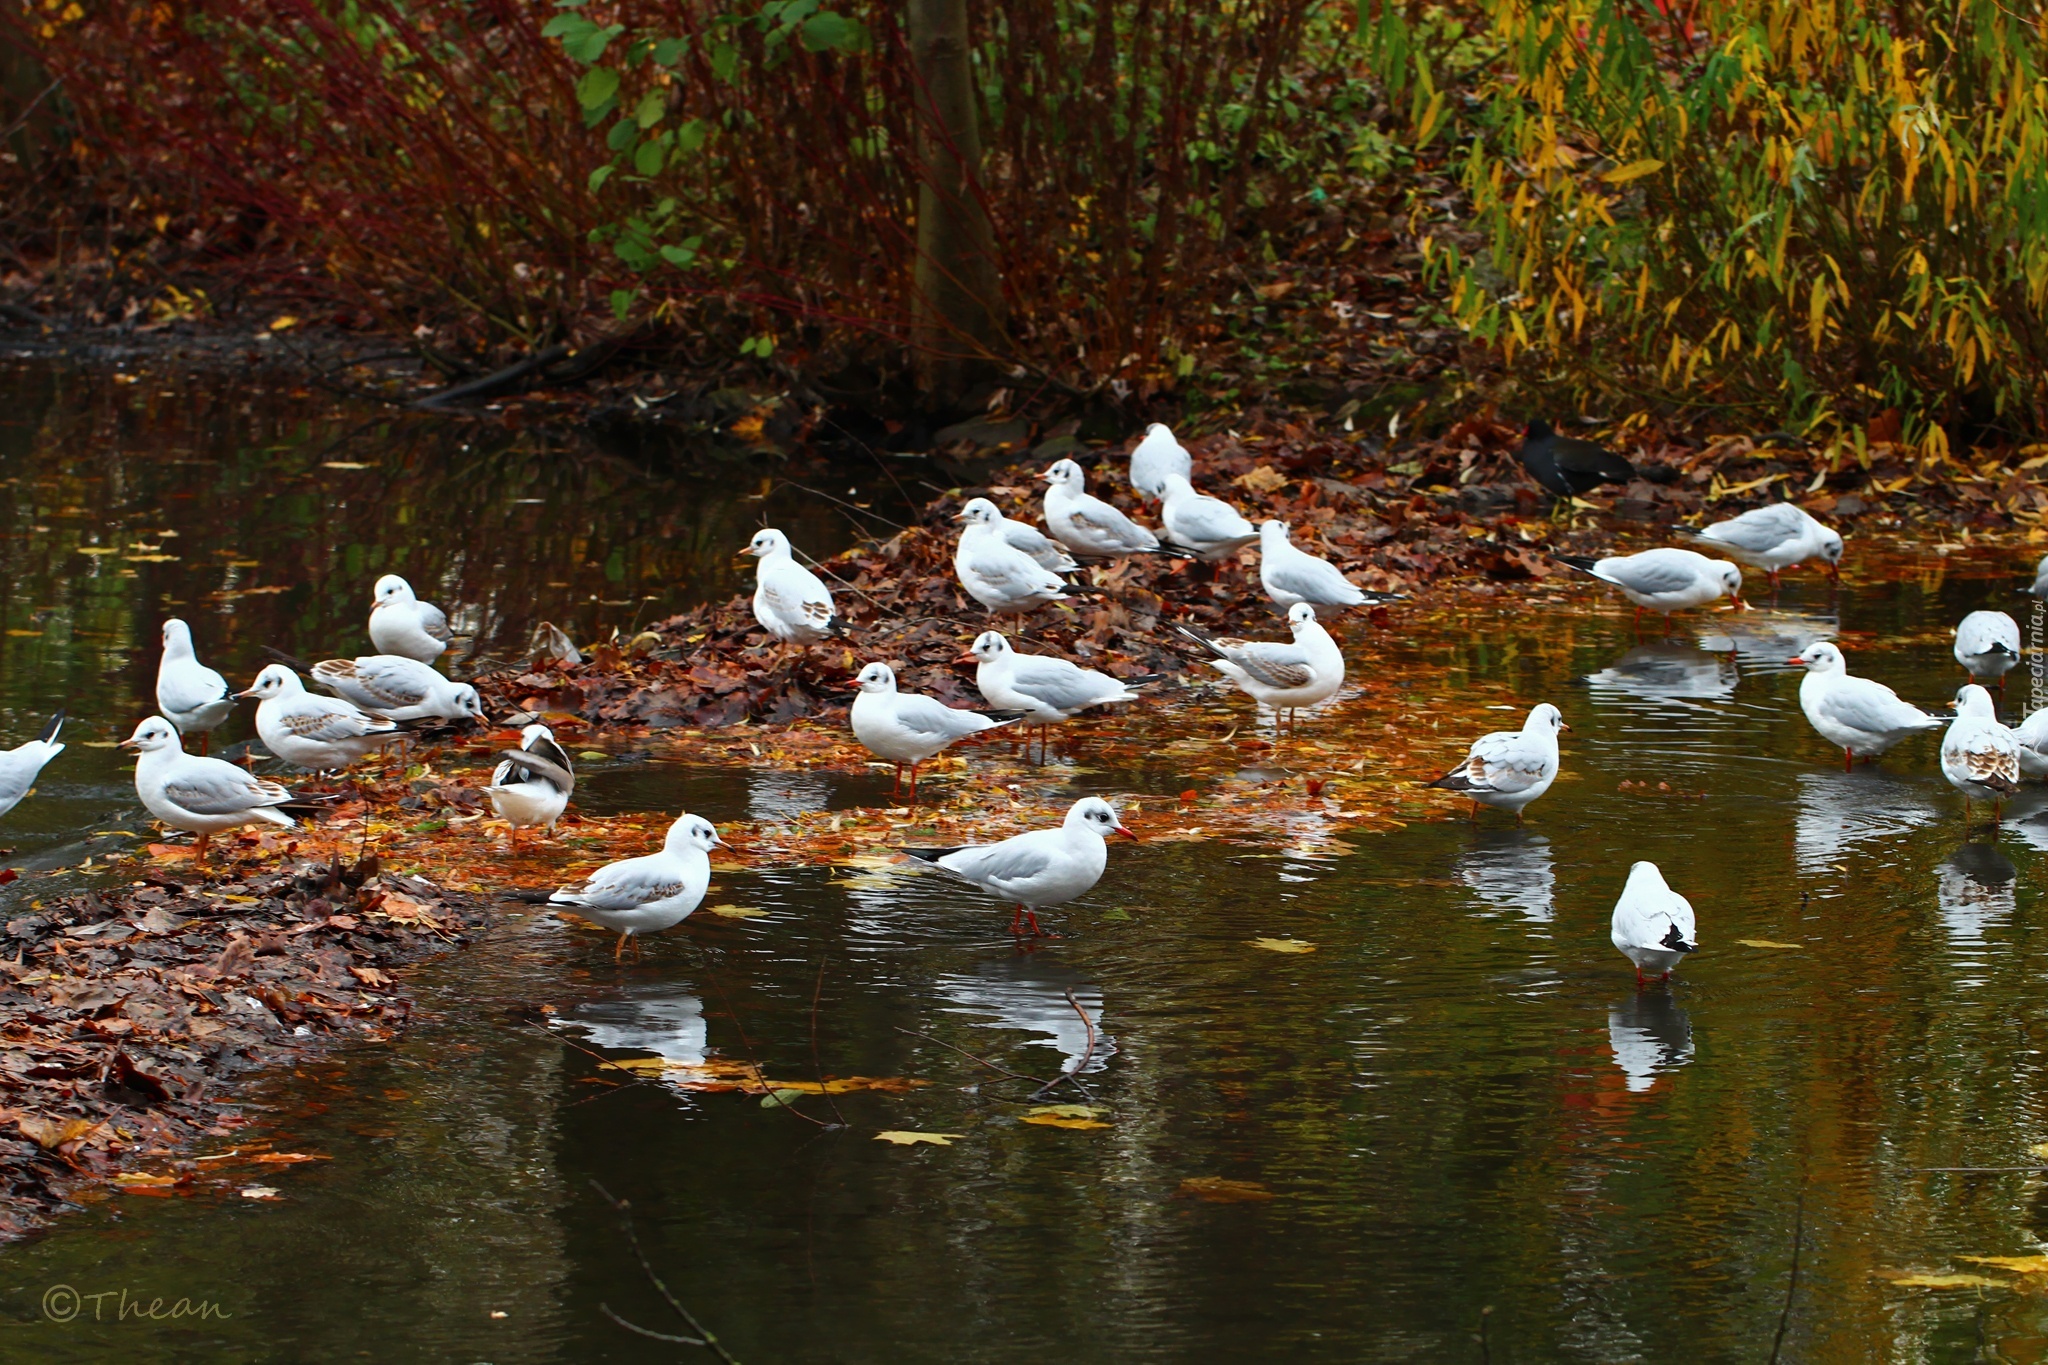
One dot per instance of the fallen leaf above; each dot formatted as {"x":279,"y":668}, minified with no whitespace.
{"x":904,"y":1139}
{"x":1218,"y":1190}
{"x":1921,"y":1279}
{"x":283,"y":322}
{"x":147,"y":1179}
{"x":289,"y":1158}
{"x":170,"y":853}
{"x":1069,"y":1111}
{"x":1049,"y":1121}
{"x":738,"y":911}
{"x":258,"y":1192}
{"x":1764,"y":943}
{"x":783,"y":1098}
{"x":343,"y":464}
{"x":49,"y":1134}
{"x":1283,"y":945}
{"x":2025,"y":1265}
{"x":1264,"y":479}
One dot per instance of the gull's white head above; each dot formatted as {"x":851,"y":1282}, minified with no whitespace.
{"x":1972,"y":700}
{"x":1066,"y":474}
{"x":1830,"y":545}
{"x":274,"y":681}
{"x":691,"y":831}
{"x":1097,"y":815}
{"x":1273,"y":531}
{"x":1544,"y":719}
{"x":177,"y":639}
{"x":1822,"y":656}
{"x":1645,"y":876}
{"x":980,"y":512}
{"x":153,"y":735}
{"x":470,"y":703}
{"x":1731,"y":578}
{"x":1173,"y":485}
{"x":989,"y":646}
{"x":1300,"y":616}
{"x":391,"y":588}
{"x":1153,"y":429}
{"x":768,"y":543}
{"x":876,"y":677}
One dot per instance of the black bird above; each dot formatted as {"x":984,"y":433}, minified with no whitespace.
{"x":1569,"y":467}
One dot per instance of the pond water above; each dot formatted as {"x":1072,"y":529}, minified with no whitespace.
{"x":1457,"y":1130}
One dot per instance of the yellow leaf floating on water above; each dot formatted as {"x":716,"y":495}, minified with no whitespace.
{"x":737,"y":911}
{"x":1218,"y":1190}
{"x":1066,"y":1116}
{"x":1764,"y":943}
{"x":1283,"y":945}
{"x":2025,"y":1265}
{"x":1049,"y":1121}
{"x":97,"y":550}
{"x":906,"y":1139}
{"x":343,"y":464}
{"x":1922,"y":1279}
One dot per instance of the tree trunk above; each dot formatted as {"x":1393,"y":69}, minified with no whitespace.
{"x":956,"y":305}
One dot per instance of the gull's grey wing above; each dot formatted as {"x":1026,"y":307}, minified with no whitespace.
{"x":1313,"y":580}
{"x":1209,"y":520}
{"x":1651,"y":579}
{"x":1505,"y":761}
{"x":630,"y":884}
{"x":434,"y":622}
{"x":930,"y":718}
{"x":1098,"y":517}
{"x":190,"y":689}
{"x":1759,"y":530}
{"x":1060,"y":684}
{"x":796,"y":594}
{"x":1275,"y":665}
{"x":534,"y":765}
{"x":1012,"y":572}
{"x":1872,"y":708}
{"x":330,"y":724}
{"x":1042,"y":549}
{"x":384,"y":683}
{"x":1008,"y":863}
{"x":217,"y":788}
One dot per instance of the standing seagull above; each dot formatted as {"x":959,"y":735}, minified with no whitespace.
{"x":1157,"y":456}
{"x":398,"y":688}
{"x":1089,"y":527}
{"x":906,"y":728}
{"x":1663,"y":580}
{"x":189,"y":694}
{"x":1044,"y":867}
{"x":533,"y":784}
{"x":1774,"y":538}
{"x":1046,"y":552}
{"x":323,"y":733}
{"x":1859,"y":716}
{"x":1979,"y":757}
{"x":402,"y":624}
{"x":1508,"y":769}
{"x":200,"y":795}
{"x":20,"y":765}
{"x":1291,"y":574}
{"x":1196,"y":524}
{"x":1567,"y":466}
{"x":1988,"y":645}
{"x":1653,"y":925}
{"x":1284,"y":677}
{"x":647,"y":895}
{"x":1044,"y":690}
{"x":790,"y":601}
{"x":2040,"y":585}
{"x":996,"y":573}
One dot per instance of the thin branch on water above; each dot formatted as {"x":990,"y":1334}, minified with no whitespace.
{"x":1792,"y":1284}
{"x":1039,"y":1081}
{"x":1074,"y":1076}
{"x":704,"y":1337}
{"x":752,"y":1060}
{"x":817,"y":1064}
{"x":851,"y":507}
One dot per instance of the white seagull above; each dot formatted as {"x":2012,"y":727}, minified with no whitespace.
{"x":907,"y":728}
{"x":1653,"y":925}
{"x":1284,"y":677}
{"x":996,"y":573}
{"x":1291,"y":574}
{"x":1046,"y":552}
{"x":20,"y":765}
{"x":200,"y":795}
{"x":1197,"y":524}
{"x":2040,"y":588}
{"x":398,"y":688}
{"x":402,"y":624}
{"x":1859,"y":716}
{"x":324,"y":733}
{"x":1157,"y":456}
{"x":1089,"y":527}
{"x":189,"y":694}
{"x":1043,"y":689}
{"x":790,"y":602}
{"x":1041,"y":868}
{"x":647,"y":895}
{"x":1988,"y":645}
{"x":1508,"y":769}
{"x":1979,"y":757}
{"x":533,"y":783}
{"x":2031,"y":735}
{"x":1773,"y":539}
{"x":1663,"y":580}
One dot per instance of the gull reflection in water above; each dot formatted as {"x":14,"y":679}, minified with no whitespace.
{"x":1030,"y":996}
{"x":1509,"y":869}
{"x":1838,"y":810}
{"x":1673,"y":674}
{"x":1766,"y":639}
{"x":1975,"y":887}
{"x":659,"y":1017}
{"x":1650,"y":1036}
{"x":775,"y":795}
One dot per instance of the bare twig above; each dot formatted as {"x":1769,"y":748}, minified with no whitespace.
{"x":817,"y":1064}
{"x":1074,"y":1076}
{"x":705,"y":1337}
{"x":1039,"y":1081}
{"x":753,"y":1060}
{"x":1792,"y":1284}
{"x":496,"y":380}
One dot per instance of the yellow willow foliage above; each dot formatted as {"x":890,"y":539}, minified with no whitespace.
{"x":1807,"y":208}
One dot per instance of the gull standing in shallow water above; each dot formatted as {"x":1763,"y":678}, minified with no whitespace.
{"x":1089,"y":527}
{"x":908,"y":728}
{"x":1041,"y":868}
{"x":1042,"y":689}
{"x":1653,"y":925}
{"x":1283,"y":676}
{"x":533,"y":784}
{"x":1291,"y":574}
{"x":1859,"y":716}
{"x":790,"y":601}
{"x":200,"y":795}
{"x":996,"y":573}
{"x":1196,"y":524}
{"x":1979,"y":757}
{"x":20,"y":765}
{"x":1045,"y":552}
{"x":1157,"y":456}
{"x":1774,"y":538}
{"x":1988,"y":645}
{"x":646,"y":895}
{"x":1508,"y":769}
{"x":1663,"y":580}
{"x":402,"y":624}
{"x":323,"y":733}
{"x":189,"y":694}
{"x":398,"y":688}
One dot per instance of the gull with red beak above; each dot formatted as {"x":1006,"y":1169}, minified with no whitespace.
{"x":1663,"y":580}
{"x":1041,"y":868}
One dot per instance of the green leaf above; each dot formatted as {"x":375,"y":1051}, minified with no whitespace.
{"x":573,"y":25}
{"x":781,"y":1099}
{"x":649,"y":111}
{"x":828,"y":31}
{"x":669,"y":51}
{"x":622,"y":304}
{"x":623,"y":135}
{"x":598,"y":85}
{"x":725,"y":61}
{"x":690,"y":136}
{"x":588,"y":47}
{"x":680,"y":256}
{"x":647,"y":160}
{"x":599,"y":176}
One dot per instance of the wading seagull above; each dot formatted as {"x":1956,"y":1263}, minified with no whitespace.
{"x":1291,"y":574}
{"x":2031,"y":735}
{"x":906,"y":728}
{"x":1042,"y":689}
{"x":1663,"y":580}
{"x":402,"y":624}
{"x":1044,"y":867}
{"x":647,"y":895}
{"x":533,"y":784}
{"x":1774,"y":538}
{"x":1988,"y":645}
{"x":1508,"y":769}
{"x":1089,"y":527}
{"x":20,"y":765}
{"x":323,"y":733}
{"x":996,"y":573}
{"x":200,"y":795}
{"x":1979,"y":757}
{"x":1157,"y":456}
{"x":790,"y":601}
{"x":189,"y":694}
{"x":1284,"y":677}
{"x":1860,"y":717}
{"x":1653,"y":925}
{"x":1022,"y":535}
{"x":398,"y":688}
{"x":2040,"y":586}
{"x":1196,"y":524}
